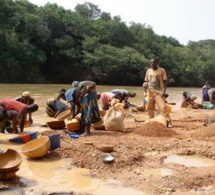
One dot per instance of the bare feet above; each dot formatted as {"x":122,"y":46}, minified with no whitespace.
{"x":169,"y":124}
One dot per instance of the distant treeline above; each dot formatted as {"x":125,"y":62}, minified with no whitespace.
{"x":50,"y":44}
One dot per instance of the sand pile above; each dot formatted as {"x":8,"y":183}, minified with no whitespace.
{"x":155,"y":129}
{"x":205,"y":133}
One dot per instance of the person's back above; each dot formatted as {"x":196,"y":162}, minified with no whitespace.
{"x":55,"y":107}
{"x":11,"y":104}
{"x":106,"y":97}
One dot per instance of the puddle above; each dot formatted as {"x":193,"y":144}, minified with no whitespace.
{"x":48,"y":176}
{"x":154,"y":172}
{"x":190,"y":161}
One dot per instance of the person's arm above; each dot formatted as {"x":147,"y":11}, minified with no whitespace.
{"x":30,"y":117}
{"x":165,"y":86}
{"x":14,"y":119}
{"x":74,"y":111}
{"x":21,"y":117}
{"x":22,"y":121}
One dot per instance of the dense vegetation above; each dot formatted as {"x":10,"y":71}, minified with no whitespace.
{"x":53,"y":45}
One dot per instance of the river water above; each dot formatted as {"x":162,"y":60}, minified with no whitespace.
{"x":40,"y":92}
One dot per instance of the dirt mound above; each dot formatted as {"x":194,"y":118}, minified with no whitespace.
{"x":155,"y":129}
{"x":84,"y":153}
{"x":205,"y":133}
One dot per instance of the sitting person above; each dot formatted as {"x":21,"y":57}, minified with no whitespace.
{"x":6,"y":118}
{"x":123,"y":95}
{"x":26,"y":98}
{"x":54,"y":107}
{"x":188,"y":101}
{"x":22,"y":109}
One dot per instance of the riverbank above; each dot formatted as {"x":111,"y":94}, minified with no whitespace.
{"x":149,"y":158}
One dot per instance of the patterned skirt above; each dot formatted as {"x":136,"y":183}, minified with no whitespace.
{"x":90,"y":110}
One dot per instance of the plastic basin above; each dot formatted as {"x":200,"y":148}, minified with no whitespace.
{"x":36,"y":148}
{"x":10,"y":161}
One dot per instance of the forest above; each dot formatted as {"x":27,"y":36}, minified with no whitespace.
{"x":50,"y":44}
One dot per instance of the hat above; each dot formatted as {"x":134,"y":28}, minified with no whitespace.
{"x":26,"y":94}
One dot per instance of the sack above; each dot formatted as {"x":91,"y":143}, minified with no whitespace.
{"x":114,"y":118}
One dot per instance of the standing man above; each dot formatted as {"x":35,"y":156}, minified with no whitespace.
{"x":157,"y":81}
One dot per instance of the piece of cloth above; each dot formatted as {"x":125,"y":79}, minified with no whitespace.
{"x":187,"y":95}
{"x":205,"y":96}
{"x":121,"y":93}
{"x":69,"y":95}
{"x":75,"y":83}
{"x":11,"y":104}
{"x":106,"y":97}
{"x":50,"y":111}
{"x":155,"y":79}
{"x":211,"y":94}
{"x":88,"y":99}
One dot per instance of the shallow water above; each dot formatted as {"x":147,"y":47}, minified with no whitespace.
{"x":190,"y":161}
{"x":48,"y":176}
{"x":40,"y":92}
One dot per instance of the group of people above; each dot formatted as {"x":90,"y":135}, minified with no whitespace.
{"x":14,"y":112}
{"x":208,"y":95}
{"x":83,"y":98}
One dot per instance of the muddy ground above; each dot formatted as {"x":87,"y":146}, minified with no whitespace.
{"x":139,"y":154}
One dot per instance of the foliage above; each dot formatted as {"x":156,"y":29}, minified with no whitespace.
{"x":50,"y":44}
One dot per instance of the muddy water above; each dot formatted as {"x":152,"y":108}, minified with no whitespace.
{"x":190,"y":161}
{"x":59,"y":175}
{"x":48,"y":176}
{"x":42,"y":92}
